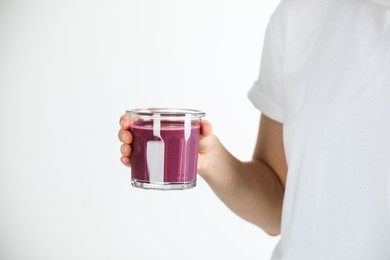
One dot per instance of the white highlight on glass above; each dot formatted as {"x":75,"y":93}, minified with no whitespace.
{"x":155,"y":151}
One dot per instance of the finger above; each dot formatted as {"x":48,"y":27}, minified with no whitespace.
{"x":126,"y":161}
{"x":126,"y":149}
{"x":206,"y":128}
{"x":125,"y":136}
{"x":125,"y":121}
{"x":123,"y":118}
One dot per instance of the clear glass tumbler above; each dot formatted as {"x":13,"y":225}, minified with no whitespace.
{"x":165,"y":148}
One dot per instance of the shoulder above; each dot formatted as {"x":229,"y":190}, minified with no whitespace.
{"x":297,"y":14}
{"x":303,"y":16}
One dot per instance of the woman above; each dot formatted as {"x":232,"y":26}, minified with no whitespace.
{"x":324,"y":93}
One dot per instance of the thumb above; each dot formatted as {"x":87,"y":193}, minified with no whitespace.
{"x":206,"y":128}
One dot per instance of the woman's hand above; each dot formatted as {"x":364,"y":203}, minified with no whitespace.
{"x":126,"y":138}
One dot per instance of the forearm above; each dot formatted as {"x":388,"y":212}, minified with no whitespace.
{"x":252,"y":190}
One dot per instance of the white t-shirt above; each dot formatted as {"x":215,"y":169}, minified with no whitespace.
{"x":325,"y":74}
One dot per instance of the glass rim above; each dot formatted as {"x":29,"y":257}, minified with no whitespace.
{"x":166,"y":112}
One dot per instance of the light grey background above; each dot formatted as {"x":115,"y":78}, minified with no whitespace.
{"x":68,"y":70}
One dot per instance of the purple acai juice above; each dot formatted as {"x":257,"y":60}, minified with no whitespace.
{"x":165,"y":152}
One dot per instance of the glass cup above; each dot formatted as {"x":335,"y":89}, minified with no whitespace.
{"x":165,"y":148}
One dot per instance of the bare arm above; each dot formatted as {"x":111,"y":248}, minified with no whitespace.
{"x":253,"y":190}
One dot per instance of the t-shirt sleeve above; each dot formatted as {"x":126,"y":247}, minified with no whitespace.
{"x":266,"y":93}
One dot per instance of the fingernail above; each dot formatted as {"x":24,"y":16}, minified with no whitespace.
{"x":124,"y":137}
{"x":122,"y":149}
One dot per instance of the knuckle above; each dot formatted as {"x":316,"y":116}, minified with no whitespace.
{"x":120,"y":135}
{"x":121,"y":119}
